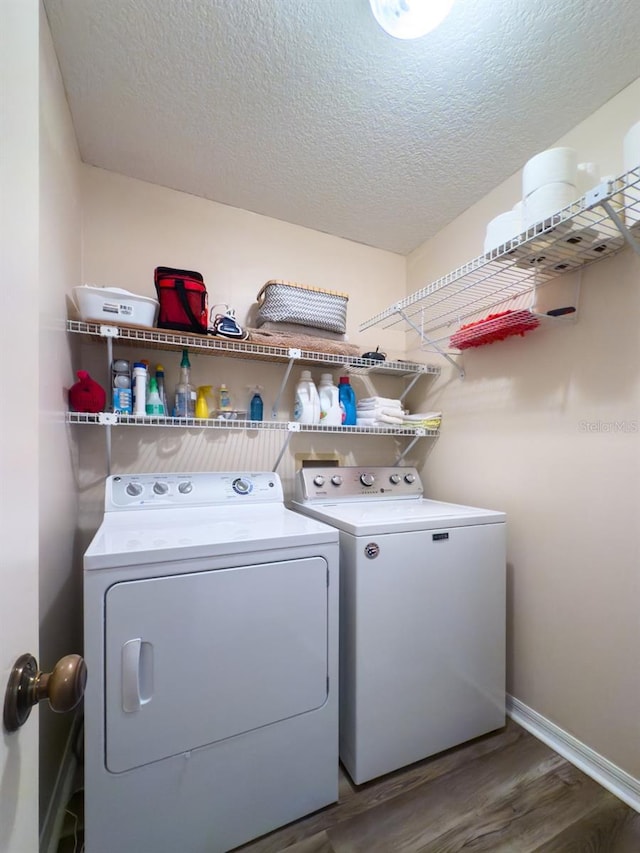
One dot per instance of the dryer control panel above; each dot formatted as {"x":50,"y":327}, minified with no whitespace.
{"x":353,"y":483}
{"x":146,"y":491}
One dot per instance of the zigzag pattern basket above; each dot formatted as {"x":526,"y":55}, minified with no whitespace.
{"x":290,"y":302}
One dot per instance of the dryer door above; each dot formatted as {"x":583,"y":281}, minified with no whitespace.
{"x":192,"y":659}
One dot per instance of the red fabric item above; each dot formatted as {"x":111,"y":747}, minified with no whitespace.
{"x":86,"y":395}
{"x":494,"y":327}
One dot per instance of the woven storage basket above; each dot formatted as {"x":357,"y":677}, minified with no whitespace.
{"x":289,"y":302}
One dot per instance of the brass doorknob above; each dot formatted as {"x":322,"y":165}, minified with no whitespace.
{"x":64,"y":688}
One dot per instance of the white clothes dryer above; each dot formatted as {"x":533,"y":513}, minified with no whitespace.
{"x":211,"y":642}
{"x":422,"y":615}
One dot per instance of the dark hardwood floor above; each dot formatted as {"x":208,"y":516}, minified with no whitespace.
{"x":504,"y":793}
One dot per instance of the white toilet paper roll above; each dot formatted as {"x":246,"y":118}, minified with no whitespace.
{"x":555,"y":166}
{"x":631,"y":148}
{"x":547,"y":200}
{"x":501,"y":230}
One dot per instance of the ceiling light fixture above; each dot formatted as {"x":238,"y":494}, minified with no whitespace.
{"x":410,"y":19}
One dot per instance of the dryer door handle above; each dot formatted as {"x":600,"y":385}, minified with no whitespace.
{"x":137,"y":674}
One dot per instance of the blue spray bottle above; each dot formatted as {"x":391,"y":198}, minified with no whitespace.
{"x":256,"y":407}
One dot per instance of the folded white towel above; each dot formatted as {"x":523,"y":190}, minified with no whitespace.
{"x":372,"y":402}
{"x":379,"y":420}
{"x":380,"y":410}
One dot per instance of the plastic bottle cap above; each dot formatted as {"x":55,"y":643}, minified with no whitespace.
{"x":344,"y":380}
{"x":326,"y":377}
{"x":305,"y":376}
{"x":185,"y":359}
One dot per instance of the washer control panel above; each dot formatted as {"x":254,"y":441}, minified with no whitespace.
{"x":354,"y":483}
{"x":147,"y":491}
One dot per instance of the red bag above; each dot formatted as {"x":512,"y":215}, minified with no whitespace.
{"x":183,"y":300}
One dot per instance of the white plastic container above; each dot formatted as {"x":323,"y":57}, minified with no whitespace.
{"x":115,"y":305}
{"x":330,"y":410}
{"x":307,"y":406}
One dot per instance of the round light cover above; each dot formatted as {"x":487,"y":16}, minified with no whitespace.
{"x":410,"y":19}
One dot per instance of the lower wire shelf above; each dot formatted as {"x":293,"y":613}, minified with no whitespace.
{"x":117,"y":419}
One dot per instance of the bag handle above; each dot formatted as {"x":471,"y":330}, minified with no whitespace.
{"x":182,"y":296}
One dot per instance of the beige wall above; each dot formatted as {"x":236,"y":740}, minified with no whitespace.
{"x":130,"y":227}
{"x":514,"y":438}
{"x":59,"y":258}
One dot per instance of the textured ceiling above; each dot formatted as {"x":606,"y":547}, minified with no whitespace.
{"x":306,"y":111}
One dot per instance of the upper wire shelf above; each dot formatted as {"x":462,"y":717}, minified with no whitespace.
{"x":163,"y":338}
{"x":592,"y":228}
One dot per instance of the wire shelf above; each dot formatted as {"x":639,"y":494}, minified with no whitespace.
{"x":580,"y":234}
{"x":162,"y":339}
{"x":113,"y":419}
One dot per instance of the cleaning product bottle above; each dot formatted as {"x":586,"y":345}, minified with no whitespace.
{"x":139,"y":388}
{"x":347,"y":402}
{"x":202,"y":404}
{"x":161,"y":388}
{"x":330,"y":411}
{"x":256,"y":406}
{"x":224,"y":399}
{"x":185,"y":395}
{"x":307,"y":406}
{"x":154,"y":400}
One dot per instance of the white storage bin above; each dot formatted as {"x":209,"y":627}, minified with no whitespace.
{"x":114,"y":304}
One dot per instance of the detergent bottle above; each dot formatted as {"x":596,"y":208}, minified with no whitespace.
{"x":347,"y":402}
{"x":307,"y":405}
{"x":202,"y":404}
{"x":330,"y":411}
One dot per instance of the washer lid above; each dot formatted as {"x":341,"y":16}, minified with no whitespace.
{"x":160,"y":535}
{"x":363,"y":518}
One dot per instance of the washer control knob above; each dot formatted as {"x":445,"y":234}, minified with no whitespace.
{"x":336,"y":480}
{"x":409,"y":478}
{"x":318,"y":480}
{"x":185,"y":488}
{"x":160,"y":488}
{"x":395,"y":479}
{"x":241,"y":487}
{"x":367,"y":479}
{"x":134,"y":489}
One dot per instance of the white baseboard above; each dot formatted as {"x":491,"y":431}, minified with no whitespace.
{"x":62,"y":790}
{"x":607,"y":774}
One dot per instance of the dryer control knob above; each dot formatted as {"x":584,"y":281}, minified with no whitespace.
{"x":134,"y":489}
{"x":185,"y":488}
{"x":318,"y":481}
{"x":409,"y":478}
{"x":241,"y":487}
{"x":336,"y":480}
{"x":395,"y":479}
{"x":160,"y":488}
{"x":367,"y":479}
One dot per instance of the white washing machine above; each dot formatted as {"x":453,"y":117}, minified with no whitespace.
{"x":211,"y":641}
{"x":422,"y":615}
